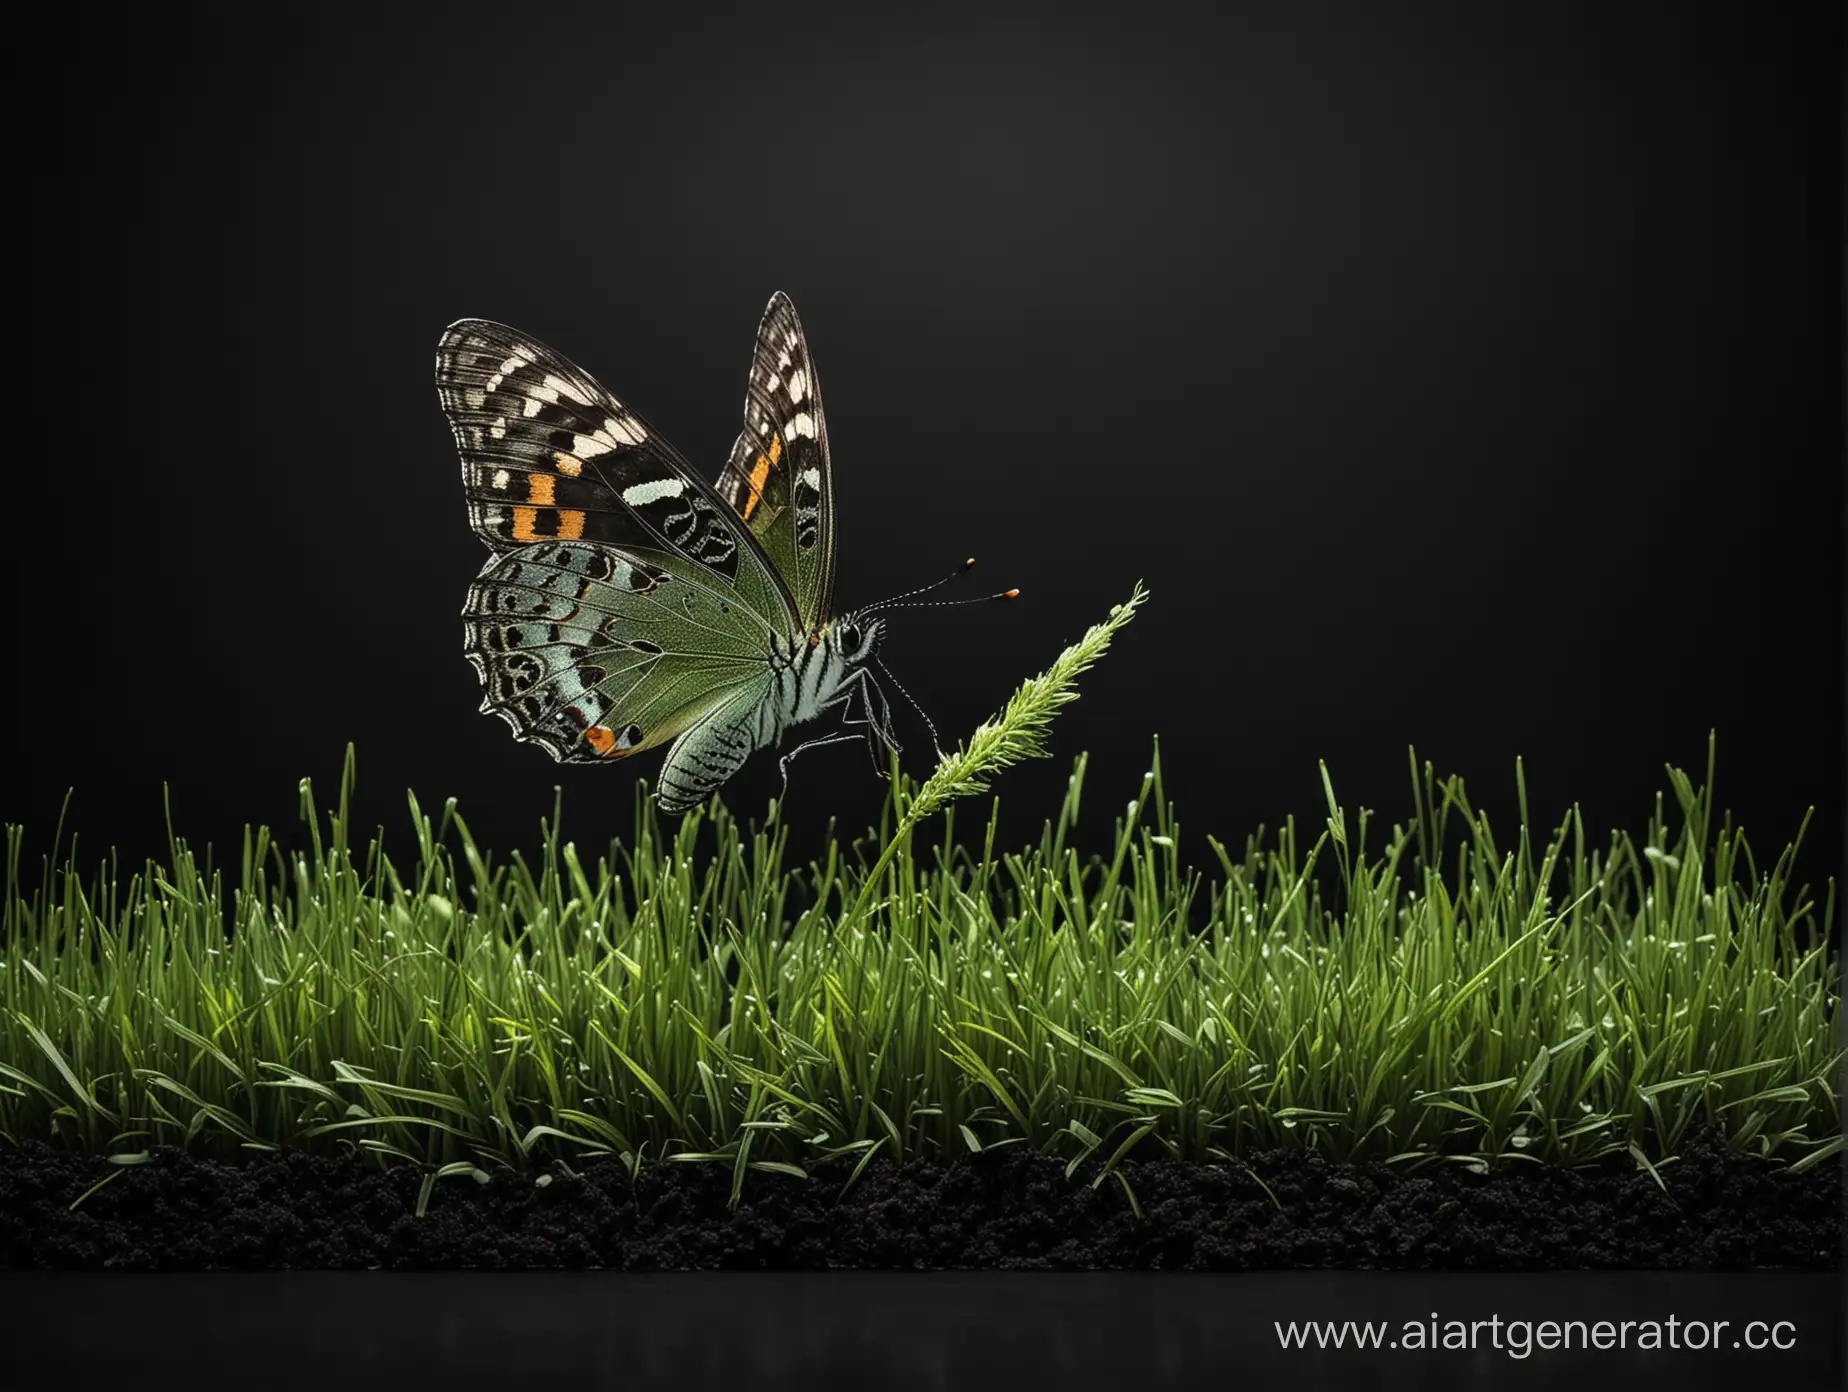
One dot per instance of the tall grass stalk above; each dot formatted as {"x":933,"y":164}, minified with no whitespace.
{"x":1017,"y":733}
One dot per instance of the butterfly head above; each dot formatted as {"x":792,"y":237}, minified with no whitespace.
{"x":856,"y":637}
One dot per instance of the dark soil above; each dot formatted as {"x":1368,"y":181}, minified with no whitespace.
{"x":1006,"y":1209}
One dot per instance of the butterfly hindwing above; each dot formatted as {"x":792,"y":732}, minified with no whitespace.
{"x":593,"y":653}
{"x":549,"y":455}
{"x":778,"y":478}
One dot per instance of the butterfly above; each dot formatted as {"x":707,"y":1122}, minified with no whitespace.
{"x":627,"y":601}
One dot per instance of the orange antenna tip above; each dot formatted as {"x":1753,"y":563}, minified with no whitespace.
{"x":1010,"y":594}
{"x":969,"y":562}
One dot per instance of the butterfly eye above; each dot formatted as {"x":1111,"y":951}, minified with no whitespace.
{"x":850,"y":637}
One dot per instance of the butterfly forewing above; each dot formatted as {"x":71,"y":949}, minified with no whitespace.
{"x":549,"y":455}
{"x":778,"y":478}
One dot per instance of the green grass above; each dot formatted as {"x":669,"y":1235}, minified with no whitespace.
{"x":1424,"y":995}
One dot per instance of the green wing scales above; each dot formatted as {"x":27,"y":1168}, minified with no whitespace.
{"x":593,"y":654}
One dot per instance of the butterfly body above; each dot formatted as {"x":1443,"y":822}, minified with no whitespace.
{"x":627,"y":602}
{"x":807,"y":680}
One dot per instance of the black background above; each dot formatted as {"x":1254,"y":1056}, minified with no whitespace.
{"x":1458,"y":376}
{"x":971,"y":1330}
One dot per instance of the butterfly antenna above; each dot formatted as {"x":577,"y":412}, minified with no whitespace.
{"x":935,"y":743}
{"x":905,"y":601}
{"x":952,"y":603}
{"x":962,"y":569}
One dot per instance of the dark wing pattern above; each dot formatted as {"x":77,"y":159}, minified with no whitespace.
{"x":549,"y":455}
{"x":592,"y":654}
{"x":625,"y":601}
{"x":778,"y":478}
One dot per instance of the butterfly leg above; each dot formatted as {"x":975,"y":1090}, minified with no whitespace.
{"x":878,"y":721}
{"x":782,"y":764}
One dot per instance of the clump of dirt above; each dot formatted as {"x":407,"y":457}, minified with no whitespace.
{"x":1007,"y":1209}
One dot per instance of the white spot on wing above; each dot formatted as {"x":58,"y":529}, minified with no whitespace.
{"x":626,"y":429}
{"x":499,"y":429}
{"x":802,"y":423}
{"x":475,"y":397}
{"x":560,"y":387}
{"x":642,"y":494}
{"x":590,"y":446}
{"x":798,"y":385}
{"x":501,"y":476}
{"x":512,"y":364}
{"x":812,"y":477}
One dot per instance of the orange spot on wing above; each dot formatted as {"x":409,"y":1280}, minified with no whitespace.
{"x":539,"y":489}
{"x":611,"y":744}
{"x":568,"y":464}
{"x":776,"y":448}
{"x":570,"y":524}
{"x":756,"y":481}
